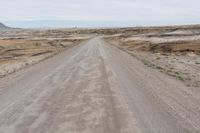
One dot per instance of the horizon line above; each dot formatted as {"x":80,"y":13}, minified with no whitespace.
{"x":88,"y":23}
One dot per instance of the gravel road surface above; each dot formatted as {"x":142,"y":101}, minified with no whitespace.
{"x":96,"y":88}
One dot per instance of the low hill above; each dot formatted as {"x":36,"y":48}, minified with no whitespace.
{"x":3,"y":27}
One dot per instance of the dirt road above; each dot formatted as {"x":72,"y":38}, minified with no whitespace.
{"x":96,"y":88}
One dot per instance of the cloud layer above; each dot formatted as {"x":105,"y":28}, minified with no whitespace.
{"x":138,"y":11}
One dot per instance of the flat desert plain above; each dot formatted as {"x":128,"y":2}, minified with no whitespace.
{"x":109,"y":80}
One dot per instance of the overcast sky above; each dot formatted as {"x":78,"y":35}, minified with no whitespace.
{"x":116,"y":12}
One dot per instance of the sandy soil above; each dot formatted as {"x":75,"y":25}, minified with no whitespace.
{"x":96,"y":88}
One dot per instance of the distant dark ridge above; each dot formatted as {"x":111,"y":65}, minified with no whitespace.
{"x":3,"y":27}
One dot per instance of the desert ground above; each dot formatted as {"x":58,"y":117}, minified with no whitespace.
{"x":116,"y":80}
{"x":172,"y":50}
{"x":22,"y":48}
